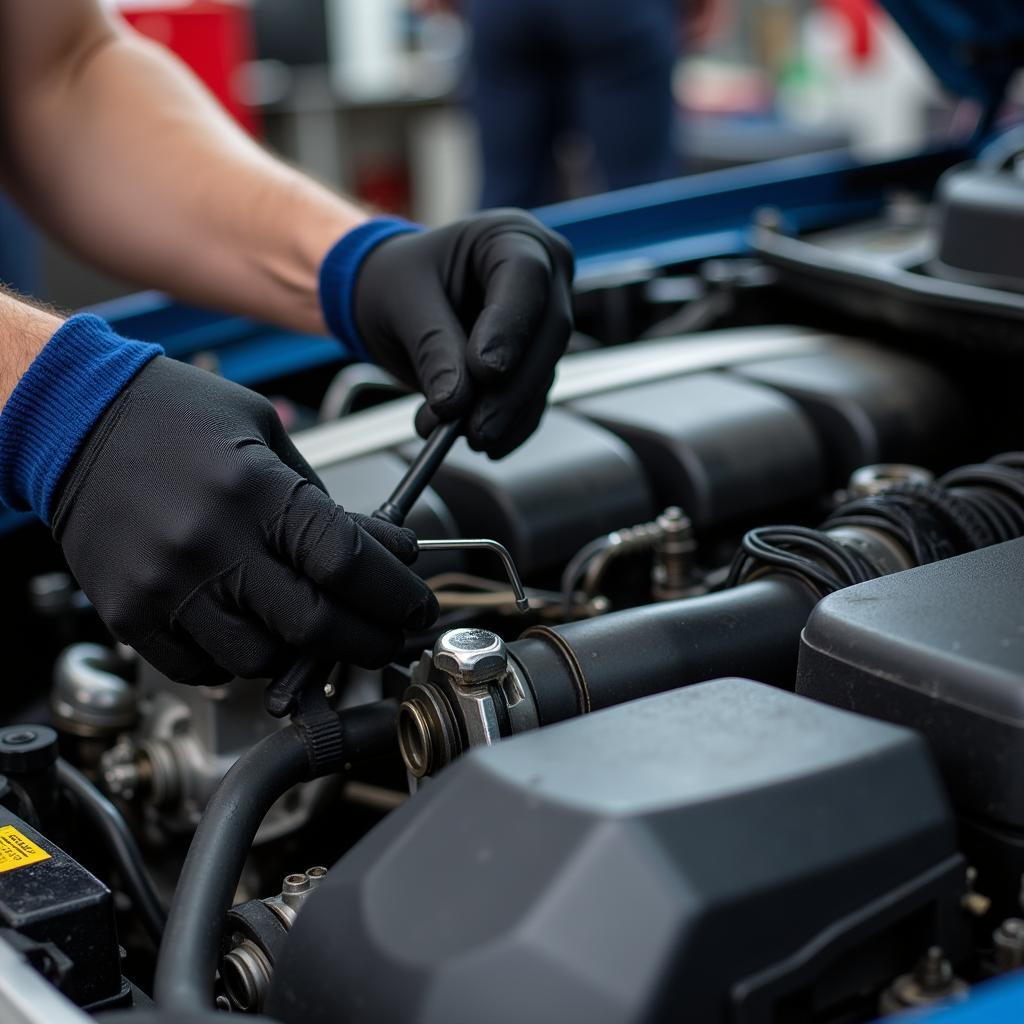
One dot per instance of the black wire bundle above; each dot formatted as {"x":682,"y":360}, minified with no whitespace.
{"x":810,"y":555}
{"x":969,"y":508}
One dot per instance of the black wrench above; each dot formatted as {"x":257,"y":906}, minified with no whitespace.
{"x":308,"y":673}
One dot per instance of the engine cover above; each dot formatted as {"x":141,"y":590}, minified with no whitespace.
{"x":712,"y":852}
{"x":941,"y":649}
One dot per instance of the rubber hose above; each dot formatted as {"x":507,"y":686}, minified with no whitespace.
{"x":120,"y":843}
{"x":206,"y":887}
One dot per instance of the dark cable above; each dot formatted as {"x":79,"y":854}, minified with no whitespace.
{"x":113,"y":829}
{"x":969,"y":508}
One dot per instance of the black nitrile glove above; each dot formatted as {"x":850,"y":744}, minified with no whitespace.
{"x":475,"y":315}
{"x":206,"y":542}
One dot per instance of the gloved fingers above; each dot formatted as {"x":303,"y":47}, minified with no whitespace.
{"x":519,"y":428}
{"x":501,"y":406}
{"x":320,"y":540}
{"x":178,"y":657}
{"x":309,"y":621}
{"x":431,"y":334}
{"x":516,"y":273}
{"x":399,"y":540}
{"x":239,"y":643}
{"x":284,"y":448}
{"x":425,"y":421}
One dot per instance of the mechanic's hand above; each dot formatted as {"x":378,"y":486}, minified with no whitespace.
{"x":205,"y":541}
{"x":475,"y":315}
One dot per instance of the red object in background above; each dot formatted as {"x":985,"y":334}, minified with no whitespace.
{"x":214,"y":39}
{"x":860,"y":17}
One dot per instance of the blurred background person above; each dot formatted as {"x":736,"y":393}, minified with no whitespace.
{"x":545,"y":71}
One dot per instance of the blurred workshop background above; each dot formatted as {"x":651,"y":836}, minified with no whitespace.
{"x":431,"y":108}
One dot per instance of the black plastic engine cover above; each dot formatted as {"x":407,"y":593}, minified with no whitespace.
{"x":940,"y":649}
{"x":699,"y":855}
{"x":570,"y":482}
{"x":869,"y":405}
{"x":980,"y":215}
{"x":720,"y":447}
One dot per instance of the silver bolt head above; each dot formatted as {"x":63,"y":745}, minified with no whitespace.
{"x":470,"y":655}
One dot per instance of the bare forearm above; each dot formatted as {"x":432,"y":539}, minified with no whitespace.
{"x":128,"y":159}
{"x":24,"y":330}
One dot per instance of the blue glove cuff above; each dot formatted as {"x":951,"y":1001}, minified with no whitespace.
{"x":340,"y":271}
{"x":57,"y":402}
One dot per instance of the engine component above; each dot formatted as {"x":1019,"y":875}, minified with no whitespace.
{"x":569,"y":482}
{"x":867,"y":481}
{"x":48,"y":897}
{"x":186,"y":740}
{"x":89,"y":698}
{"x":553,"y":674}
{"x":669,"y":537}
{"x":941,"y":649}
{"x":980,"y":215}
{"x":719,"y":852}
{"x":255,"y":932}
{"x":931,"y":981}
{"x":752,"y":628}
{"x":317,"y":743}
{"x":868,"y":405}
{"x":28,"y":755}
{"x":1008,"y":944}
{"x":717,"y":446}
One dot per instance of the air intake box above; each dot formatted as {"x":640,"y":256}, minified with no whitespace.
{"x":941,"y":649}
{"x":711,"y":854}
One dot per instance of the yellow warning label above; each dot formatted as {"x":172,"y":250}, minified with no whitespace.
{"x":16,"y":851}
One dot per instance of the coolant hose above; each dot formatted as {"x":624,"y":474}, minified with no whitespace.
{"x":206,"y":887}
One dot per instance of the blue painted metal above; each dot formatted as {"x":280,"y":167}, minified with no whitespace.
{"x":708,"y":215}
{"x":243,"y":350}
{"x":994,"y":1002}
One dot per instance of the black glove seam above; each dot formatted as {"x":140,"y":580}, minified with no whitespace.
{"x":174,"y":619}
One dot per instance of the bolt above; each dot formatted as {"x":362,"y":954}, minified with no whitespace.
{"x":470,"y":656}
{"x":933,"y":971}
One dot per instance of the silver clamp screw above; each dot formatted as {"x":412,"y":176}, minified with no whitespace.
{"x":470,"y":657}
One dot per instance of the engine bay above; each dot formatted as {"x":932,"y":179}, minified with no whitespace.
{"x":745,"y":746}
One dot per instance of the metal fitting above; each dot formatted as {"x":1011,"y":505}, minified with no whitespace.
{"x":465,"y":693}
{"x":248,"y":965}
{"x":931,"y":981}
{"x":672,"y":575}
{"x":89,"y":698}
{"x":1008,"y":945}
{"x":246,"y":973}
{"x":873,"y":479}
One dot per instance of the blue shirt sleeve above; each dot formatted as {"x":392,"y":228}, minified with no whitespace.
{"x":340,"y":271}
{"x":60,"y":398}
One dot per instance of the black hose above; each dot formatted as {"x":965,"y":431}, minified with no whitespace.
{"x":191,"y":944}
{"x":304,"y":750}
{"x":107,"y":820}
